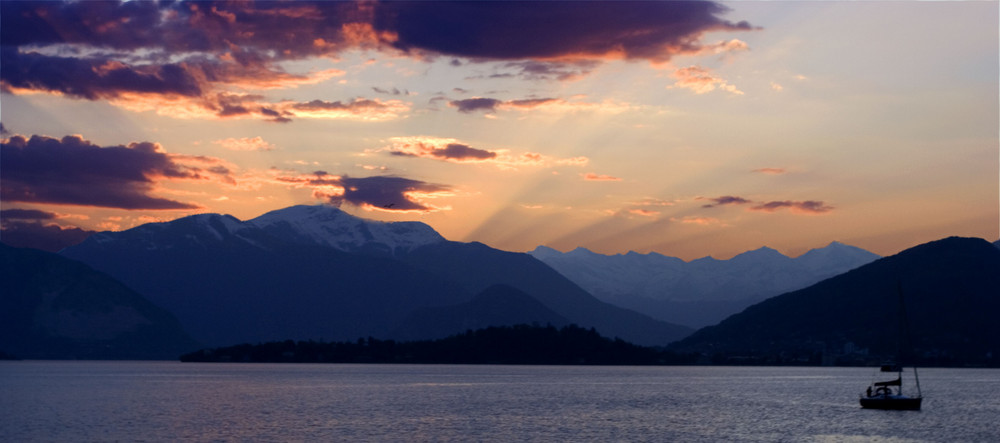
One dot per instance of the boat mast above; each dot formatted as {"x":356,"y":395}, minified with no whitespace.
{"x":904,"y":326}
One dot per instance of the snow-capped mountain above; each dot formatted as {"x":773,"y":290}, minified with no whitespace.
{"x":314,"y":272}
{"x":329,"y":226}
{"x":317,"y":225}
{"x":702,"y":291}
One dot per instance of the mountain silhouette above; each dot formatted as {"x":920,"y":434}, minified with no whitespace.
{"x":315,"y":272}
{"x":497,"y":305}
{"x":951,"y":293}
{"x":55,"y":308}
{"x":700,"y":292}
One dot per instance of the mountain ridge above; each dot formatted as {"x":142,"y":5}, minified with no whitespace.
{"x":330,"y":275}
{"x":703,"y":291}
{"x":951,"y":289}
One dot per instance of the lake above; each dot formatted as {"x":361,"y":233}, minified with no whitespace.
{"x":170,"y":401}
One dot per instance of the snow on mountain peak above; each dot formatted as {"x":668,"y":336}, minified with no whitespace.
{"x":328,"y":226}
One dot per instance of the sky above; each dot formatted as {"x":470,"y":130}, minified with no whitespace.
{"x":690,"y":129}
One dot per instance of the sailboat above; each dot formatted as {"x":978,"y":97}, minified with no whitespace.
{"x":889,"y":394}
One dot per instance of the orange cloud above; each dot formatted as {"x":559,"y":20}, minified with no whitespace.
{"x":643,"y":212}
{"x":591,"y":176}
{"x":452,"y":150}
{"x":696,"y":220}
{"x":245,"y":144}
{"x":771,"y":171}
{"x":701,"y":81}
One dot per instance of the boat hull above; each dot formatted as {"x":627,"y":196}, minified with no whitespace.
{"x":892,"y":402}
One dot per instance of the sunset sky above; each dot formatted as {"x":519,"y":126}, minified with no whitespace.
{"x":685,"y":128}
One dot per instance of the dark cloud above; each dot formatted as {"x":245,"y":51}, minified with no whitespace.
{"x":540,"y":70}
{"x":490,"y":105}
{"x":392,"y":193}
{"x":547,"y":30}
{"x":76,"y":172}
{"x":144,"y":53}
{"x":393,"y":91}
{"x":805,"y":207}
{"x":320,"y":105}
{"x":26,"y":214}
{"x":50,"y":238}
{"x":726,"y":200}
{"x":808,"y":206}
{"x":463,"y":152}
{"x":470,"y":105}
{"x":451,"y":151}
{"x":248,"y":30}
{"x":93,"y":78}
{"x":388,"y":193}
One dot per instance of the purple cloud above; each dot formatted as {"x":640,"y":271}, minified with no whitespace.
{"x":551,"y":30}
{"x":50,"y":238}
{"x":490,"y":105}
{"x":26,"y":214}
{"x":547,"y":70}
{"x":177,"y":57}
{"x":807,"y":207}
{"x":386,"y":193}
{"x":470,"y":105}
{"x":389,"y":193}
{"x":726,"y":200}
{"x":74,"y":171}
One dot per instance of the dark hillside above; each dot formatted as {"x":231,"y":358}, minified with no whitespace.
{"x":951,"y":289}
{"x":55,"y":308}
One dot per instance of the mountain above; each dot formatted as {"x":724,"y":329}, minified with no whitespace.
{"x":702,"y":291}
{"x":951,"y":293}
{"x":319,"y":225}
{"x":315,"y":272}
{"x":497,"y":305}
{"x":56,"y":308}
{"x":476,"y":266}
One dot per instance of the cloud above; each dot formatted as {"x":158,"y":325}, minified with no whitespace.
{"x":552,"y":31}
{"x":643,"y":212}
{"x":393,"y":91}
{"x":26,"y":214}
{"x":470,"y":105}
{"x":191,"y":59}
{"x":546,"y":70}
{"x":724,"y":200}
{"x":803,"y":207}
{"x":591,"y":176}
{"x":390,"y":193}
{"x":452,"y":150}
{"x":49,"y":237}
{"x":701,"y":81}
{"x":22,"y":228}
{"x":74,"y":171}
{"x":384,"y":193}
{"x":650,"y":201}
{"x":439,"y":149}
{"x":490,"y":105}
{"x":245,"y":144}
{"x":696,"y":220}
{"x":358,"y":109}
{"x":770,"y":171}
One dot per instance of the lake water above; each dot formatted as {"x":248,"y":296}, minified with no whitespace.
{"x":168,"y":401}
